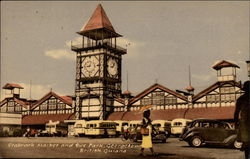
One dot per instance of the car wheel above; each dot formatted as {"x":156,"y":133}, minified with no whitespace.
{"x":237,"y":144}
{"x":195,"y":141}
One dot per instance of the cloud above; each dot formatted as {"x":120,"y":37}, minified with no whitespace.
{"x":63,"y":53}
{"x":37,"y":91}
{"x":60,"y":54}
{"x":131,"y":45}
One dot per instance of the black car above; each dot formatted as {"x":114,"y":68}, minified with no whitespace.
{"x":208,"y":131}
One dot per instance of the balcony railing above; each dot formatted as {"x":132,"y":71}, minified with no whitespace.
{"x":106,"y":45}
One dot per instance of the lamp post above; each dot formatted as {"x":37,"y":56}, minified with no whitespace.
{"x":248,"y":68}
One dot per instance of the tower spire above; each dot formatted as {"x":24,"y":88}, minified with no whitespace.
{"x":190,"y":89}
{"x":99,"y":26}
{"x":98,"y":20}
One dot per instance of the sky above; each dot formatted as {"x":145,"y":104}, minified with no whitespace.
{"x":165,"y":37}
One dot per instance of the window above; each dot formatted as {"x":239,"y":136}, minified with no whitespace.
{"x":227,"y":97}
{"x":43,"y":106}
{"x":52,"y":103}
{"x":213,"y":98}
{"x":146,"y":101}
{"x":170,"y":100}
{"x":52,"y":106}
{"x":10,"y":109}
{"x":61,"y":106}
{"x":18,"y":108}
{"x":227,"y":90}
{"x":177,"y":124}
{"x":78,"y":125}
{"x":11,"y":103}
{"x":158,"y":98}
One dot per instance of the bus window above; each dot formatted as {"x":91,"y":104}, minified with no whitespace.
{"x":78,"y":125}
{"x":177,"y":124}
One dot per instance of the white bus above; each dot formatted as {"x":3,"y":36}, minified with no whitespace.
{"x":100,"y":128}
{"x":79,"y":127}
{"x":71,"y":130}
{"x":134,"y":126}
{"x":119,"y":125}
{"x":178,"y":125}
{"x":55,"y":129}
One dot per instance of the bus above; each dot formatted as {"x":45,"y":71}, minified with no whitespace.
{"x":119,"y":125}
{"x":71,"y":130}
{"x":134,"y":126}
{"x":79,"y":128}
{"x":100,"y":128}
{"x":162,"y":126}
{"x":55,"y":129}
{"x":178,"y":125}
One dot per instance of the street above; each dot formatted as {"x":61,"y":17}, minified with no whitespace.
{"x":83,"y":147}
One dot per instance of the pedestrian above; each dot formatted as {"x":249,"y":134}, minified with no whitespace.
{"x":125,"y":131}
{"x":28,"y":132}
{"x":146,"y":131}
{"x":242,"y":118}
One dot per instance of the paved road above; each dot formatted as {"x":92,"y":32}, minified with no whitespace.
{"x":55,"y":147}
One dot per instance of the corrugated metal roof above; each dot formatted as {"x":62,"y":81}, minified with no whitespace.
{"x":220,"y":113}
{"x":11,"y":86}
{"x":224,"y":63}
{"x":42,"y":119}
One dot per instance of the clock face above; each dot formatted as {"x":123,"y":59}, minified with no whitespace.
{"x":112,"y":67}
{"x":90,"y":66}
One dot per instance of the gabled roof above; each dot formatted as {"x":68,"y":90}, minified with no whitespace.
{"x":215,"y":86}
{"x":223,"y":64}
{"x":21,"y":102}
{"x":154,"y":87}
{"x":3,"y":102}
{"x":65,"y":99}
{"x":98,"y":20}
{"x":42,"y":119}
{"x":12,"y":86}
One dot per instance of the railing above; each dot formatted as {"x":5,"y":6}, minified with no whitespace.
{"x":226,"y":78}
{"x":105,"y":45}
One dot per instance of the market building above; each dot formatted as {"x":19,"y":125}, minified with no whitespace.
{"x":35,"y":113}
{"x":98,"y":94}
{"x":215,"y":102}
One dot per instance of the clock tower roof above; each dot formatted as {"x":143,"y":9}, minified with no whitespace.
{"x":98,"y":20}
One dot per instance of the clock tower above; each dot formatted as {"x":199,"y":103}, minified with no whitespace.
{"x":98,"y":68}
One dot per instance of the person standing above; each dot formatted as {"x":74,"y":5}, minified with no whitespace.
{"x":28,"y":132}
{"x":242,"y":117}
{"x":147,"y":138}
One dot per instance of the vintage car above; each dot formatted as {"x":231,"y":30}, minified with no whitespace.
{"x":156,"y":135}
{"x":163,"y":126}
{"x":208,"y":131}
